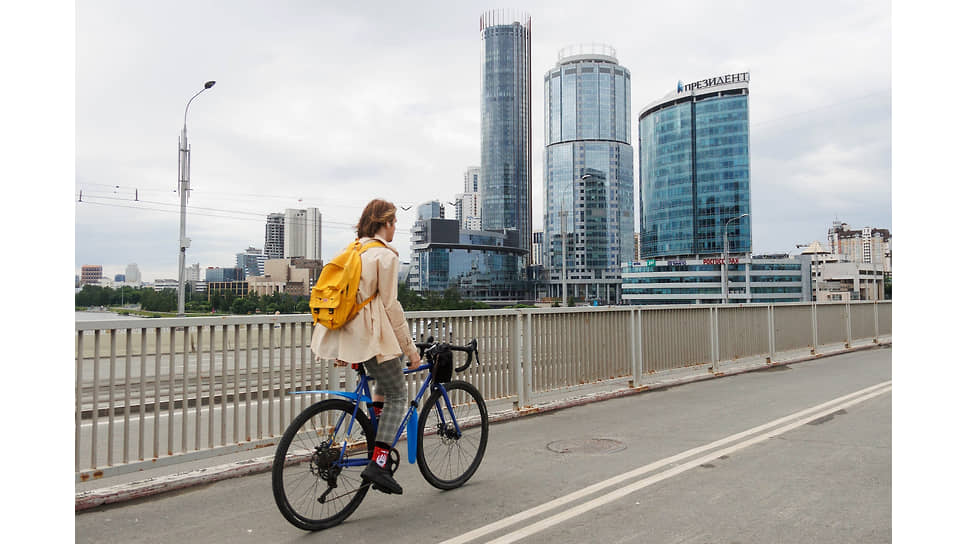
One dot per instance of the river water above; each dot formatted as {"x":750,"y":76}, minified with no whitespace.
{"x":102,"y":316}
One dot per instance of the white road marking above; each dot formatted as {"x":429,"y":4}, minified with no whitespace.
{"x":799,"y":418}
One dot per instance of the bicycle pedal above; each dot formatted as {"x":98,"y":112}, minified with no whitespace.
{"x":393,"y":460}
{"x":380,"y":488}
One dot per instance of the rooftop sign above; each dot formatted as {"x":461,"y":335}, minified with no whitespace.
{"x":743,"y":77}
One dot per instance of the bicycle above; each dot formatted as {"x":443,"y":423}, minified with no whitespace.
{"x":316,"y":471}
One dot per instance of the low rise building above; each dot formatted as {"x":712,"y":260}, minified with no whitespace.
{"x":295,"y":277}
{"x":91,"y":274}
{"x":837,"y":277}
{"x":162,"y":284}
{"x":756,"y":279}
{"x":237,"y":288}
{"x":841,"y":281}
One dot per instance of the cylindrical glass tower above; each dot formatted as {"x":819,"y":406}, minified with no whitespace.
{"x":695,"y":170}
{"x":589,"y":202}
{"x":505,"y":182}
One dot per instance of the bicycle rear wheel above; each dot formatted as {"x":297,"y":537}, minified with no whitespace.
{"x":313,"y":484}
{"x":447,"y":457}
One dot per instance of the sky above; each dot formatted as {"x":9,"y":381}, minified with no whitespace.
{"x":331,"y":104}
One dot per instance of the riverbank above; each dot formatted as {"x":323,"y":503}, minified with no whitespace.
{"x":105,"y":314}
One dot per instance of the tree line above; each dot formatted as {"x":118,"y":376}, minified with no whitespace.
{"x":225,"y":302}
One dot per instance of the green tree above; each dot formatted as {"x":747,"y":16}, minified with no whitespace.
{"x":449,"y":299}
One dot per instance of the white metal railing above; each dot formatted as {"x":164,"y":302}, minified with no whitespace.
{"x":151,"y":392}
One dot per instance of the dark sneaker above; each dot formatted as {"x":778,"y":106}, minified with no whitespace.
{"x":381,"y":479}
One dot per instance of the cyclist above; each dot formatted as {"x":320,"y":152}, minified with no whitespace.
{"x":378,"y":337}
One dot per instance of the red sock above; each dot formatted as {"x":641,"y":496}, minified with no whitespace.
{"x":380,"y":456}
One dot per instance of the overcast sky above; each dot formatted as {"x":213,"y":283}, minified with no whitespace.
{"x":324,"y":104}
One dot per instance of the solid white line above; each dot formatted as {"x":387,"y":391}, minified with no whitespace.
{"x":621,"y":492}
{"x":551,"y":505}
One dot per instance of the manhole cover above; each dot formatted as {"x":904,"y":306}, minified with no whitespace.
{"x":595,"y":446}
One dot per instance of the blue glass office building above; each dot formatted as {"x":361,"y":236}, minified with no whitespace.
{"x":588,"y":173}
{"x":695,"y":169}
{"x":505,"y":182}
{"x":695,"y":187}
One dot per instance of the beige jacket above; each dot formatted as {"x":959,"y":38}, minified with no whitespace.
{"x":379,"y":330}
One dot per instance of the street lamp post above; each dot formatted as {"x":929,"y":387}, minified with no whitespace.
{"x":726,"y":255}
{"x":563,"y":214}
{"x":564,"y":259}
{"x":184,"y":167}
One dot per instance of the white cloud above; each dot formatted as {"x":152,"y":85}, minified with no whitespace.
{"x":337,"y":104}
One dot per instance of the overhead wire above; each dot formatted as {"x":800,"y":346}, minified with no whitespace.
{"x":820,"y":108}
{"x":254,"y":217}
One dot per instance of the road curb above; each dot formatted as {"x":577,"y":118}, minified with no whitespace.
{"x":150,"y":487}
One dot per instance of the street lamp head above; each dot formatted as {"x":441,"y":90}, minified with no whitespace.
{"x":209,"y":84}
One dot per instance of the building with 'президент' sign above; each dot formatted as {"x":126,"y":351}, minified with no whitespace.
{"x":695,"y":224}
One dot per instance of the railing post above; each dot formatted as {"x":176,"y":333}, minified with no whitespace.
{"x":813,"y":323}
{"x":876,"y":325}
{"x":714,"y":337}
{"x":771,"y":335}
{"x":517,"y":359}
{"x":526,"y":367}
{"x":635,"y":345}
{"x":847,"y":344}
{"x":78,"y":405}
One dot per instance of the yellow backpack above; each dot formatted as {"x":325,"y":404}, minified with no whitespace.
{"x":333,"y":300}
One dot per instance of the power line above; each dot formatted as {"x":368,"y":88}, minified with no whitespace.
{"x":819,"y":108}
{"x":302,"y":200}
{"x":330,"y":225}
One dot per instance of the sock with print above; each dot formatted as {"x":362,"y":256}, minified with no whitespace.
{"x":377,"y":472}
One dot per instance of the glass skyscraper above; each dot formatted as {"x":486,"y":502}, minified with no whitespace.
{"x":588,"y":174}
{"x":505,"y":182}
{"x":695,"y":169}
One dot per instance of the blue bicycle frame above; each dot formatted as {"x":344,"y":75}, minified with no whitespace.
{"x":362,"y":393}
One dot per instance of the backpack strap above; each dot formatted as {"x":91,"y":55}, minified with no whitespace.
{"x":368,"y":245}
{"x":373,"y":243}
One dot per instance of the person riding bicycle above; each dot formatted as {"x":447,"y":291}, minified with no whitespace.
{"x":377,"y":337}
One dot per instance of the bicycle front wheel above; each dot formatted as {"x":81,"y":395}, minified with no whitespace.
{"x":316,"y":471}
{"x":451,"y":444}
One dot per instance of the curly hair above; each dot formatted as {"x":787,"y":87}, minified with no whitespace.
{"x":377,"y":213}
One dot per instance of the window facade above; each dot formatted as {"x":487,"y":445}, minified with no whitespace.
{"x":505,"y":180}
{"x":588,"y":169}
{"x":695,"y":175}
{"x":700,"y":281}
{"x":483,"y":265}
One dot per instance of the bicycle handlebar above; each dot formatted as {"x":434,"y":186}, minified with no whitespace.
{"x":430,"y":347}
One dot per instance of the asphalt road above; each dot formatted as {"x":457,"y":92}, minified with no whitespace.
{"x":798,"y":453}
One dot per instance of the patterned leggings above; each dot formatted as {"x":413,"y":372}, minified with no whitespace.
{"x":390,"y":384}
